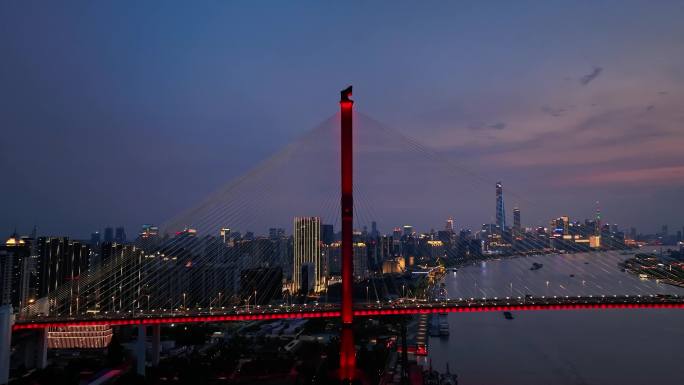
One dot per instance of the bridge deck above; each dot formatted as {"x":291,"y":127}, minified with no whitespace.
{"x":400,"y":307}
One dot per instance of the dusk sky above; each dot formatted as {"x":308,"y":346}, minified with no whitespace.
{"x":123,"y":113}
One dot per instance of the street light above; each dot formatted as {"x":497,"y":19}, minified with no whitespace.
{"x":184,"y":308}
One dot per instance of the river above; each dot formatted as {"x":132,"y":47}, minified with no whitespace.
{"x":560,"y":347}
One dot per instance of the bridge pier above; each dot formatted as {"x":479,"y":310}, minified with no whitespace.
{"x":5,"y":342}
{"x":140,"y":350}
{"x":41,"y":348}
{"x":30,"y":351}
{"x":156,"y":345}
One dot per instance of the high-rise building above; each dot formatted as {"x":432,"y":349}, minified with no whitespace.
{"x":6,"y":281}
{"x":148,"y":237}
{"x":664,"y":231}
{"x":307,"y":254}
{"x":149,"y":231}
{"x":61,"y":260}
{"x":517,"y":227}
{"x":108,"y":234}
{"x":597,"y":222}
{"x":333,"y":258}
{"x":327,"y":234}
{"x":374,"y":229}
{"x":633,"y":233}
{"x":120,"y":235}
{"x":51,"y":251}
{"x":15,"y":270}
{"x":95,"y":239}
{"x":500,"y":209}
{"x":276,"y":233}
{"x":360,"y":260}
{"x":225,"y":235}
{"x":566,"y":224}
{"x":449,"y":225}
{"x":408,"y":230}
{"x":396,"y":233}
{"x":386,"y":247}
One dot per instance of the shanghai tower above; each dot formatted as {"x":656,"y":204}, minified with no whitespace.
{"x":500,"y":209}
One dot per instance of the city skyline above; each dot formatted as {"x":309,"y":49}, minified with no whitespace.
{"x":110,"y":232}
{"x":224,"y":233}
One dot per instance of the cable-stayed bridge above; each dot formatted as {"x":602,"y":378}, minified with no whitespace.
{"x":195,"y":269}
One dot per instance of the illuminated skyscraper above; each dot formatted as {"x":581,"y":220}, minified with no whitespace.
{"x":597,"y":231}
{"x":449,"y":225}
{"x":61,"y":261}
{"x":517,"y":227}
{"x":307,"y":254}
{"x":225,"y":235}
{"x":360,"y":261}
{"x":566,"y":224}
{"x":148,"y":237}
{"x":149,"y":231}
{"x":500,"y":209}
{"x":595,"y":240}
{"x":396,"y":233}
{"x":15,"y":289}
{"x":408,"y":230}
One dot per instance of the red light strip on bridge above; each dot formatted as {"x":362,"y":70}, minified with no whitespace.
{"x":488,"y":308}
{"x":332,"y":314}
{"x":172,"y":320}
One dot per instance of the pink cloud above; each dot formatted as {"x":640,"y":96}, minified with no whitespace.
{"x":657,"y":175}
